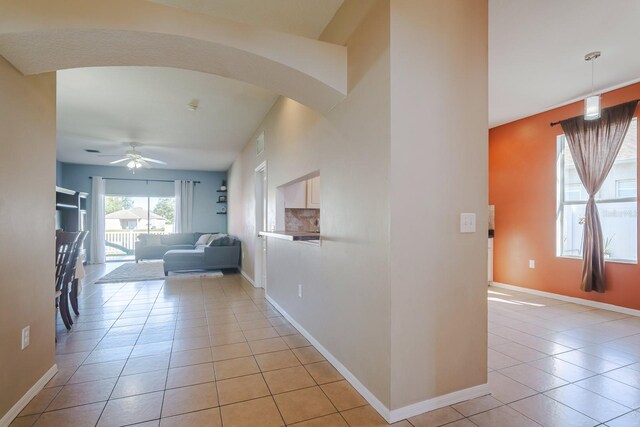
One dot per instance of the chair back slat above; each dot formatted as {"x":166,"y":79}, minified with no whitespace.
{"x":64,"y":248}
{"x":75,"y":252}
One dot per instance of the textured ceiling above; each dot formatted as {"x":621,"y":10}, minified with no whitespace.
{"x":537,"y":48}
{"x":302,"y":17}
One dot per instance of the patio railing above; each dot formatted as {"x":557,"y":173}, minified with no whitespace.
{"x":120,"y":243}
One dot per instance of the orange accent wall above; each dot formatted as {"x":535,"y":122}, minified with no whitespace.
{"x":522,"y":186}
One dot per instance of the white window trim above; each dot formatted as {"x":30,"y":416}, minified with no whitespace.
{"x":620,"y":181}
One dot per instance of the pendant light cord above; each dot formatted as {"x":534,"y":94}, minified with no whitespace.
{"x":593,"y":66}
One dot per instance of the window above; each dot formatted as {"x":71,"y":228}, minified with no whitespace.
{"x":617,"y":203}
{"x":128,"y":217}
{"x":626,"y":188}
{"x":573,"y":192}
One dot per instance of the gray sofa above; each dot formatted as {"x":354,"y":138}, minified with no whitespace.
{"x":221,"y":253}
{"x":154,"y":246}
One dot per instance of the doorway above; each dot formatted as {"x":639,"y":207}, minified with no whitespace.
{"x":260,"y":274}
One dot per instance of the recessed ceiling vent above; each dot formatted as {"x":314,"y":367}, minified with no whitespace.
{"x":91,"y":150}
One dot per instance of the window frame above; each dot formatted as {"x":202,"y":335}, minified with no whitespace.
{"x":620,"y":181}
{"x":561,"y":203}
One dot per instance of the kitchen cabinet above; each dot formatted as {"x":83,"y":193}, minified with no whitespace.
{"x":313,"y":193}
{"x":303,"y":194}
{"x":295,"y":195}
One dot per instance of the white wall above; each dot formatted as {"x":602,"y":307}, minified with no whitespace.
{"x":395,"y":292}
{"x":346,"y":295}
{"x":439,"y":168}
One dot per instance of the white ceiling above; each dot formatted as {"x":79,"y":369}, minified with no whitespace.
{"x":536,"y":62}
{"x":106,"y":108}
{"x":537,"y":48}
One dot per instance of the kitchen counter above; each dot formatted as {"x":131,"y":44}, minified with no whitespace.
{"x":291,"y":235}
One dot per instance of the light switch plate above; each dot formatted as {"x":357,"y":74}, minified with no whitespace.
{"x":467,"y":222}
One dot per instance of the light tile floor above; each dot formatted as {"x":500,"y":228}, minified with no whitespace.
{"x":214,"y":352}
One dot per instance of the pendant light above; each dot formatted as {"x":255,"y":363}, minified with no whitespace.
{"x":592,"y":102}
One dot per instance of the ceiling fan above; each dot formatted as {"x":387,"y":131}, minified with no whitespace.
{"x":134,"y":159}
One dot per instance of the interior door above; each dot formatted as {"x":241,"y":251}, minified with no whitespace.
{"x":260,"y":274}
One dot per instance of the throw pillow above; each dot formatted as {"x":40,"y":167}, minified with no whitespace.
{"x":222,"y":240}
{"x":212,"y":238}
{"x":203,"y":240}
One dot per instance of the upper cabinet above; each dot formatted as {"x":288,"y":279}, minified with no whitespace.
{"x":303,"y":194}
{"x":295,"y":195}
{"x":313,"y":193}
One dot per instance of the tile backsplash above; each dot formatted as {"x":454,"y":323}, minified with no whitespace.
{"x":302,"y":219}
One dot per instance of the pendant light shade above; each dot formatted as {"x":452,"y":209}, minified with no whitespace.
{"x":592,"y":102}
{"x":592,"y":107}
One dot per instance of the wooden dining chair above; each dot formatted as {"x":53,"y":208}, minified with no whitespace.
{"x":72,"y":281}
{"x":64,"y":248}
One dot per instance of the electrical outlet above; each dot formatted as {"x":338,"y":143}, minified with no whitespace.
{"x":532,"y":263}
{"x":299,"y":291}
{"x":26,"y":332}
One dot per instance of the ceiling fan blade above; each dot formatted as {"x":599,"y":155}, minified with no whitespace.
{"x":160,"y":162}
{"x":118,"y":161}
{"x":144,"y":164}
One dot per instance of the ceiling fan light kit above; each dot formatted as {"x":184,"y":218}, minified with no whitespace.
{"x":135,"y":160}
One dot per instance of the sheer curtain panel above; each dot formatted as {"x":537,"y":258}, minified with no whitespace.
{"x":184,"y":206}
{"x":96,"y":249}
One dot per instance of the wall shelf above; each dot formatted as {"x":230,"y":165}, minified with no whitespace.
{"x":221,"y":213}
{"x":72,"y":209}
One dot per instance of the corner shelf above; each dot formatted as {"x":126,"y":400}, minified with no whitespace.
{"x":221,"y":213}
{"x":221,"y":191}
{"x":222,"y":202}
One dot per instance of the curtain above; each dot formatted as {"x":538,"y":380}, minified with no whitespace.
{"x":96,"y":228}
{"x":184,"y":206}
{"x":594,"y":145}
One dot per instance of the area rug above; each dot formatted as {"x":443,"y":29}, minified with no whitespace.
{"x":144,"y":271}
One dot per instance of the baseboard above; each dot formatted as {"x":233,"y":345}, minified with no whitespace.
{"x":246,"y":276}
{"x":30,"y":394}
{"x":438,"y":402}
{"x":395,"y":415}
{"x":369,"y":397}
{"x":575,"y":300}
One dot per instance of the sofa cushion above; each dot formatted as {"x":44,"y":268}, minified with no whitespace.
{"x":203,"y":240}
{"x":153,"y":239}
{"x":178,"y":239}
{"x":173,"y":247}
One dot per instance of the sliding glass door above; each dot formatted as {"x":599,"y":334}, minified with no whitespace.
{"x":127,"y":217}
